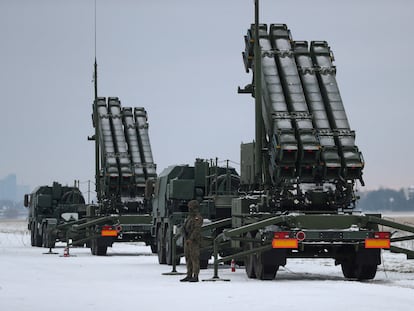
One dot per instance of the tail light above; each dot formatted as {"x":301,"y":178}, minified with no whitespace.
{"x":382,"y":235}
{"x":380,"y":240}
{"x":282,"y":239}
{"x":109,"y":231}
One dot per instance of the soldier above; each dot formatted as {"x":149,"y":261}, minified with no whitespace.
{"x":192,"y":235}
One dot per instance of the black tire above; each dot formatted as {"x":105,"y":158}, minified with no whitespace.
{"x":168,"y":248}
{"x":249,"y":260}
{"x":101,"y":250}
{"x":160,"y":247}
{"x":38,"y":241}
{"x":348,"y":270}
{"x":264,"y":271}
{"x":366,"y":272}
{"x":360,"y":272}
{"x":44,"y":236}
{"x":94,"y":247}
{"x":48,"y":238}
{"x":153,"y":248}
{"x":32,"y":235}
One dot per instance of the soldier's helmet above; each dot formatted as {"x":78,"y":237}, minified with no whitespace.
{"x":193,"y":205}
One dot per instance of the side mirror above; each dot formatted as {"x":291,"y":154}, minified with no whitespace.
{"x":26,"y":200}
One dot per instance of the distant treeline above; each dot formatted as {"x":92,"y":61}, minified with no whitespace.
{"x":385,"y":200}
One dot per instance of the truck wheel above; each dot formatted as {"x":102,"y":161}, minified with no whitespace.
{"x":348,"y":270}
{"x":160,"y":247}
{"x":48,"y":238}
{"x":366,"y":272}
{"x":168,"y":248}
{"x":362,"y":266}
{"x":101,"y":250}
{"x":264,"y":270}
{"x":32,"y":236}
{"x":249,"y":260}
{"x":44,"y":237}
{"x":153,"y":248}
{"x":359,"y":272}
{"x":94,"y":246}
{"x":37,"y":237}
{"x":98,"y":250}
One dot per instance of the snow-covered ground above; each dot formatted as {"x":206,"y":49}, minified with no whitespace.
{"x":130,"y":278}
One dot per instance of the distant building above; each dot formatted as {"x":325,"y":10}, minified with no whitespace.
{"x":9,"y":190}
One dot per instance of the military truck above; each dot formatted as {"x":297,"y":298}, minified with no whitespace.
{"x":212,"y":185}
{"x":52,"y":209}
{"x":300,"y":173}
{"x":124,"y":173}
{"x":298,"y":178}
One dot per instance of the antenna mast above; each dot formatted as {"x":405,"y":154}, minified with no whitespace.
{"x":96,"y":124}
{"x":258,"y":97}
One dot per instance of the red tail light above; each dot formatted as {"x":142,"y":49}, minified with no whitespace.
{"x":282,"y":235}
{"x":109,"y":231}
{"x":382,"y":235}
{"x":380,"y":240}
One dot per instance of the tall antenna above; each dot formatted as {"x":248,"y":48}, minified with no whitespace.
{"x":95,"y":29}
{"x":95,"y":74}
{"x":96,"y":123}
{"x":258,"y":96}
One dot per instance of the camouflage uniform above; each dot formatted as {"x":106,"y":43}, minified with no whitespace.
{"x":192,"y":234}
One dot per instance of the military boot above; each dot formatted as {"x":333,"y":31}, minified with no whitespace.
{"x":186,"y":279}
{"x":193,"y":279}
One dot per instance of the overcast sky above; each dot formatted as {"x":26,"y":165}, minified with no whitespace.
{"x":181,"y":60}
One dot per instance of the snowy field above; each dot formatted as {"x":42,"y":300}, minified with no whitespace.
{"x":129,"y":278}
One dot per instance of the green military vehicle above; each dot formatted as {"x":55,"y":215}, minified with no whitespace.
{"x":299,"y":175}
{"x":124,"y":172}
{"x":212,"y":185}
{"x":52,"y":209}
{"x":125,"y":175}
{"x":298,"y":178}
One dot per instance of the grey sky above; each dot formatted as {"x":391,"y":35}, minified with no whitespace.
{"x":182,"y":61}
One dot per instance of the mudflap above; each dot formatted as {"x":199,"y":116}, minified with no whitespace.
{"x":368,"y":256}
{"x":274,"y":257}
